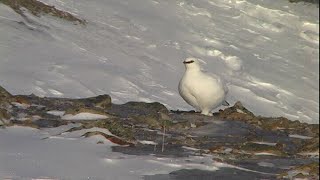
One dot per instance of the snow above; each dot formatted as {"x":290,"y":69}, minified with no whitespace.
{"x":133,"y":50}
{"x":83,"y":116}
{"x":148,"y":142}
{"x":265,"y":143}
{"x":267,"y":51}
{"x":190,"y":148}
{"x":266,"y":164}
{"x":21,"y":105}
{"x":240,"y":111}
{"x":299,"y":136}
{"x":25,"y":154}
{"x":56,"y":113}
{"x":265,"y":154}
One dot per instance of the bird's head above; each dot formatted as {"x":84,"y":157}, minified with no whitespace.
{"x":192,"y":64}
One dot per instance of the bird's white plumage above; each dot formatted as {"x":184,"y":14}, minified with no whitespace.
{"x":202,"y":91}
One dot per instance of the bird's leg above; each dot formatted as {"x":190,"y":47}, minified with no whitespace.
{"x":206,"y":113}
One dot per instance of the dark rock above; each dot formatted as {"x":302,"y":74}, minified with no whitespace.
{"x":138,"y":108}
{"x":45,"y":123}
{"x":310,"y":146}
{"x":115,"y":126}
{"x":5,"y":96}
{"x":4,"y":93}
{"x":239,"y":113}
{"x":308,"y":1}
{"x":220,"y":173}
{"x":254,"y":148}
{"x":148,"y":121}
{"x":77,"y":110}
{"x":27,"y":123}
{"x":171,"y":150}
{"x":21,"y":100}
{"x":4,"y":114}
{"x":113,"y":139}
{"x":152,"y":115}
{"x":309,"y":171}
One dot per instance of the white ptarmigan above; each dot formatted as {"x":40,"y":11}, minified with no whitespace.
{"x":202,"y":91}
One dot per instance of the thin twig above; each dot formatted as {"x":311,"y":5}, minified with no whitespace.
{"x":164,"y":133}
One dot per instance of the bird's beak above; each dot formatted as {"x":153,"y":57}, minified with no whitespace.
{"x":188,"y":62}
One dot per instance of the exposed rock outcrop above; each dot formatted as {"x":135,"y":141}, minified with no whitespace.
{"x":38,"y":8}
{"x":233,"y":135}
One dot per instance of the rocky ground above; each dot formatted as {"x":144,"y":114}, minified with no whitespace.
{"x":277,"y":147}
{"x":38,"y":8}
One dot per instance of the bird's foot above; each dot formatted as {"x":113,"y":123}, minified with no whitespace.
{"x":207,"y":113}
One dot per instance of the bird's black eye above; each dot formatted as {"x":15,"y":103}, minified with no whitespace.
{"x":188,"y":62}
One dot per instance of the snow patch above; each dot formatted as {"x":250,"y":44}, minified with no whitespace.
{"x":147,"y":142}
{"x":21,"y":105}
{"x":264,"y":154}
{"x":56,"y":113}
{"x":83,"y":116}
{"x":190,"y":148}
{"x":265,"y":143}
{"x":240,"y":111}
{"x":266,"y":164}
{"x":299,"y":136}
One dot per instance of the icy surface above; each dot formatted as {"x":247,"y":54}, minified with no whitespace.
{"x":133,"y":50}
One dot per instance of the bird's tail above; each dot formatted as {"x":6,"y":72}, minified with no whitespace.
{"x":225,"y":103}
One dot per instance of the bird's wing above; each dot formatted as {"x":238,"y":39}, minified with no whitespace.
{"x":220,"y":80}
{"x":188,"y":95}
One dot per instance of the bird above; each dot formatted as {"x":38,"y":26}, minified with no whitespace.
{"x":202,"y":91}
